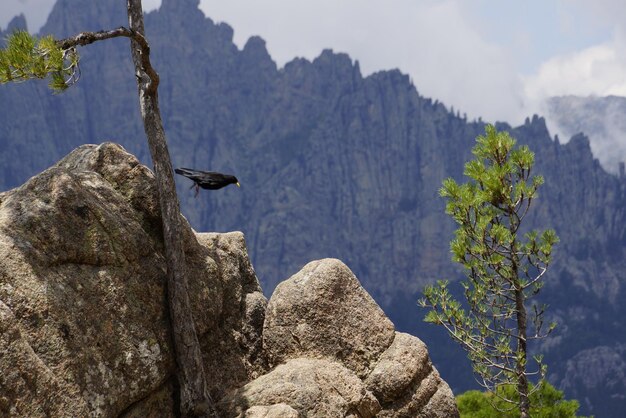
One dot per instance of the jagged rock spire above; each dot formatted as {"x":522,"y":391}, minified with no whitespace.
{"x":17,"y":23}
{"x":179,"y":4}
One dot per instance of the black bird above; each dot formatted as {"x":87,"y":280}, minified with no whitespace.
{"x":207,"y":179}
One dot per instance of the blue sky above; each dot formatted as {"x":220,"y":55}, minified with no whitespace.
{"x":498,"y":59}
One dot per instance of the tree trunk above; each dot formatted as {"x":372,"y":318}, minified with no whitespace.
{"x":522,"y":379}
{"x":520,"y":308}
{"x":195,"y":400}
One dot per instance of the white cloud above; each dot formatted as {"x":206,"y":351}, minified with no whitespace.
{"x":598,"y":70}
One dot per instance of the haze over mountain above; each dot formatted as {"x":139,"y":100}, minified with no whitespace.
{"x":602,"y":118}
{"x":334,"y":164}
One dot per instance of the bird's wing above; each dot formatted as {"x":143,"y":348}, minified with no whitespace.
{"x":185,"y":171}
{"x":194,"y":174}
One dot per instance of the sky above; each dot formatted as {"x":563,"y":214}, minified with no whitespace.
{"x":495,"y":59}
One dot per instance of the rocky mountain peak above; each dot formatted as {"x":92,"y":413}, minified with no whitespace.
{"x":580,"y":142}
{"x":255,"y":53}
{"x":17,"y":23}
{"x":177,"y":6}
{"x":182,"y":13}
{"x":336,"y":64}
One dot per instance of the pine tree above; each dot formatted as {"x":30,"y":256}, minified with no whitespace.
{"x":504,"y":268}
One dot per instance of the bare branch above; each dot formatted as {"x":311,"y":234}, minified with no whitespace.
{"x":86,"y":38}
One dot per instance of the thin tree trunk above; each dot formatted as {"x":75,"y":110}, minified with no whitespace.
{"x":522,"y":379}
{"x":195,"y":400}
{"x":522,"y":353}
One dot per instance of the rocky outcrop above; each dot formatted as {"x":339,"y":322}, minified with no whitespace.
{"x":84,"y":327}
{"x":337,"y":354}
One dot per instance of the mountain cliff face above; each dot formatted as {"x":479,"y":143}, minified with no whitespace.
{"x":334,"y":164}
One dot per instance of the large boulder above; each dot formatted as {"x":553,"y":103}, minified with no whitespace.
{"x":363,"y":367}
{"x":84,"y":324}
{"x":323,"y":312}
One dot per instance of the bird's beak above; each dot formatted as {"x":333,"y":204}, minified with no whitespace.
{"x":238,"y":185}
